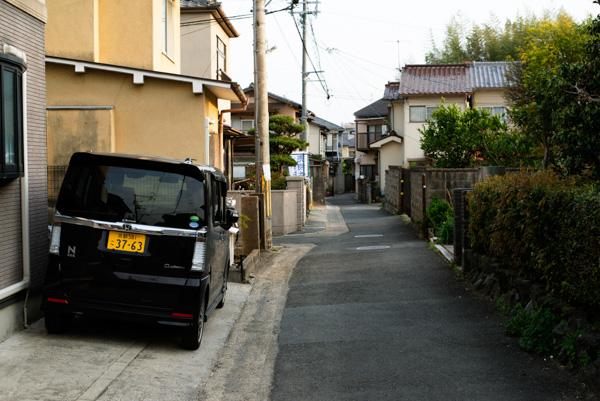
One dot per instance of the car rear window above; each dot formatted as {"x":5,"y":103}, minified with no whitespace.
{"x":125,"y":194}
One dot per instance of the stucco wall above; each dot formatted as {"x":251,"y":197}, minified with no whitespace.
{"x":126,"y":33}
{"x":390,"y":154}
{"x":199,"y":46}
{"x":284,"y":212}
{"x":160,"y":117}
{"x":412,"y":136}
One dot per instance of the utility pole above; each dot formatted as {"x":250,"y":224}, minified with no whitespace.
{"x":263,"y":166}
{"x":304,"y":73}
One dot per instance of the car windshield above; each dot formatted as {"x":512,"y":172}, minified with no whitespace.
{"x":123,"y":194}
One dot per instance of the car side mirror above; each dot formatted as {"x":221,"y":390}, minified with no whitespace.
{"x":231,"y":217}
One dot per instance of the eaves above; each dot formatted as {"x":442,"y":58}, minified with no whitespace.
{"x":221,"y":89}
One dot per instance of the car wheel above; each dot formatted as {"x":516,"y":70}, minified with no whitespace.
{"x":57,"y":323}
{"x":224,"y":290}
{"x":192,"y":336}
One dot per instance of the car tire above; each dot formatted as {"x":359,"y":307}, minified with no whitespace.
{"x":57,"y":323}
{"x":192,"y":336}
{"x":224,"y":290}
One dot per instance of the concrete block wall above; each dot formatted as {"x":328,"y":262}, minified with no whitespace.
{"x":283,"y":210}
{"x":298,"y":184}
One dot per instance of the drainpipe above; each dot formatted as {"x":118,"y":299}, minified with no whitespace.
{"x":24,"y":283}
{"x":222,"y":112}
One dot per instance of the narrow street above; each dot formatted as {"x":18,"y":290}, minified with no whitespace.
{"x":374,"y":314}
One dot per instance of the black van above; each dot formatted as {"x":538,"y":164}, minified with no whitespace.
{"x":139,"y":238}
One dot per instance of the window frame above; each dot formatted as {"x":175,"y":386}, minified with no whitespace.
{"x":14,"y":168}
{"x":503,"y":115}
{"x":168,"y":34}
{"x":221,"y":54}
{"x":428,"y":113}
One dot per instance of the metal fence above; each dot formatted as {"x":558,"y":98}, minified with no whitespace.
{"x":56,"y":174}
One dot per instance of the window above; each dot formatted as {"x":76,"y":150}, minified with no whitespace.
{"x":368,"y":171}
{"x":420,"y":114}
{"x":497,"y":111}
{"x":167,"y":27}
{"x":221,"y":57}
{"x":247,"y":125}
{"x":376,"y":132}
{"x":11,"y":116}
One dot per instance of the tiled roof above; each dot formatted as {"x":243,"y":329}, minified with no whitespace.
{"x":391,"y":91}
{"x":375,"y":109}
{"x":489,"y":74}
{"x":435,"y":79}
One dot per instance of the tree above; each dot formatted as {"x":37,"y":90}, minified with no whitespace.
{"x":491,"y":41}
{"x":458,"y":138}
{"x":552,"y":92}
{"x":283,"y":132}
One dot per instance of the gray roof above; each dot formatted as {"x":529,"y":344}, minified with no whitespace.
{"x":327,"y":124}
{"x":375,"y":109}
{"x":196,"y":3}
{"x":346,"y":141}
{"x":489,"y":74}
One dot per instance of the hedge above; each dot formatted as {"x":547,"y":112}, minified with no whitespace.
{"x":543,"y":227}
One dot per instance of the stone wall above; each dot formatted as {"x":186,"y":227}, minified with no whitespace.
{"x":298,"y":184}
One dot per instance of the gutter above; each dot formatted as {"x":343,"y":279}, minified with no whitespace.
{"x":24,"y":283}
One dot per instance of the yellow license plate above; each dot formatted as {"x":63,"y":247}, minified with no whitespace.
{"x":126,"y":242}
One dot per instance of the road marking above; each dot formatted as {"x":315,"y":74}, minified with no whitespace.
{"x":101,"y":384}
{"x":368,"y":236}
{"x":370,"y":248}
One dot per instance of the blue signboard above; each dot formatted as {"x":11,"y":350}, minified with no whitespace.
{"x":302,"y":168}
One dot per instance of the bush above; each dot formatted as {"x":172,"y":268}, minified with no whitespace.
{"x":440,"y":216}
{"x":544,"y":227}
{"x":534,"y":329}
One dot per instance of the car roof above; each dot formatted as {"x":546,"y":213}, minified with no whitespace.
{"x":139,"y":157}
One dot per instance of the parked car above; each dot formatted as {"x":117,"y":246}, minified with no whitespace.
{"x":139,"y":238}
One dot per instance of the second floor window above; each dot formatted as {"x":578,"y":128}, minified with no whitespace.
{"x":376,"y":132}
{"x":497,"y":111}
{"x":221,"y":57}
{"x":420,"y":114}
{"x":167,"y":28}
{"x":247,"y":125}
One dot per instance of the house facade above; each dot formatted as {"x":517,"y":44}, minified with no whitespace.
{"x":393,"y":139}
{"x":23,"y":194}
{"x":372,"y":124}
{"x":114,"y":84}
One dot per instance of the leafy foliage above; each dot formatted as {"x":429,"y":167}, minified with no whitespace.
{"x":543,"y":226}
{"x":459,"y":138}
{"x":554,"y":93}
{"x":440,"y":216}
{"x":534,"y":329}
{"x":490,"y":41}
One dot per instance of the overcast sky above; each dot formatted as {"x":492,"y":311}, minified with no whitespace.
{"x":359,"y":45}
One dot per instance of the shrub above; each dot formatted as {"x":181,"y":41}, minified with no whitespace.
{"x":544,"y":227}
{"x":440,"y":216}
{"x":534,"y":329}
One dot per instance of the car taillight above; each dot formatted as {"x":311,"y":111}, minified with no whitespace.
{"x":199,"y":255}
{"x":186,"y":315}
{"x":55,"y":239}
{"x":57,"y":300}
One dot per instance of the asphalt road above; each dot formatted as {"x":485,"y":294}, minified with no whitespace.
{"x":354,"y":307}
{"x":374,"y":314}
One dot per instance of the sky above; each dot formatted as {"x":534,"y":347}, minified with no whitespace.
{"x":356,"y":47}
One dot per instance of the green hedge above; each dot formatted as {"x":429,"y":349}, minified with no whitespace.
{"x":544,"y":227}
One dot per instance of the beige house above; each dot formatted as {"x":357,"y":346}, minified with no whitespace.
{"x":114,"y":84}
{"x":23,"y":197}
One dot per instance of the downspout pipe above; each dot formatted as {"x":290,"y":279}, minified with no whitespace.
{"x":244,"y":101}
{"x":24,"y":283}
